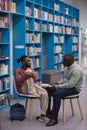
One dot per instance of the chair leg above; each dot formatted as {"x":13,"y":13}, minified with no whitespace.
{"x":18,"y":99}
{"x":26,"y":103}
{"x":80,"y":108}
{"x":31,"y":104}
{"x":64,"y":111}
{"x":72,"y":108}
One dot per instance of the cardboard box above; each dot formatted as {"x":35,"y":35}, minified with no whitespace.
{"x":50,"y":76}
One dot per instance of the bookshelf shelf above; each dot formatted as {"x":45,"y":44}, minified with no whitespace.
{"x":5,"y":89}
{"x":3,"y":107}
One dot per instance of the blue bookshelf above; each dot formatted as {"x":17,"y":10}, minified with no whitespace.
{"x":45,"y":28}
{"x":17,"y":13}
{"x":4,"y":55}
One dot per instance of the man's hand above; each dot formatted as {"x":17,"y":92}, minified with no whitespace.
{"x":53,"y":87}
{"x":35,"y":76}
{"x":53,"y":84}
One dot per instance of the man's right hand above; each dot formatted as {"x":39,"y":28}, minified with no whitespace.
{"x":29,"y":74}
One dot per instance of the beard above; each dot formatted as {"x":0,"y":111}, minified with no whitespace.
{"x":28,"y":66}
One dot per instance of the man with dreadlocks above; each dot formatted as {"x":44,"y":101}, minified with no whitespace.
{"x":25,"y":79}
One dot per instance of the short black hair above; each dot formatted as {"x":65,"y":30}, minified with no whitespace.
{"x":21,"y":59}
{"x":68,"y":59}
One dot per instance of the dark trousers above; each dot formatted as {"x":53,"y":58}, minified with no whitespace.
{"x":57,"y":95}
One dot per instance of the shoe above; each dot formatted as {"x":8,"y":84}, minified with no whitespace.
{"x":48,"y":115}
{"x":40,"y":116}
{"x":51,"y":123}
{"x":43,"y":118}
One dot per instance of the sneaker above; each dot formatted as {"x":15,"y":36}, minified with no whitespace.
{"x":51,"y":123}
{"x":43,"y":118}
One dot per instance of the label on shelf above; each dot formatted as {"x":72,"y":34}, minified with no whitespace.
{"x":20,"y":47}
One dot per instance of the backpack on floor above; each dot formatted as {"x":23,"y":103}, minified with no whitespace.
{"x":17,"y":112}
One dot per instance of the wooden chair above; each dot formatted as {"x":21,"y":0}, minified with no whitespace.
{"x":27,"y":97}
{"x":72,"y":108}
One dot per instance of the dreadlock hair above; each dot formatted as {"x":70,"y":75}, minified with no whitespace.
{"x":21,"y":59}
{"x":68,"y":60}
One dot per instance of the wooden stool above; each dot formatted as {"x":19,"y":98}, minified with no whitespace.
{"x":72,"y":108}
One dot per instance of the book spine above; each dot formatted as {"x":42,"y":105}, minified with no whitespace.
{"x":6,"y":5}
{"x":2,"y":5}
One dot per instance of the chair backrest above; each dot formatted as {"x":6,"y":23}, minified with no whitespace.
{"x":15,"y":85}
{"x":16,"y":88}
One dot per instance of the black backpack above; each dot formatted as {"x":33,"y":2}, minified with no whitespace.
{"x":17,"y":112}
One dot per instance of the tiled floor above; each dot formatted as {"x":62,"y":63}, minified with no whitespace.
{"x":72,"y":123}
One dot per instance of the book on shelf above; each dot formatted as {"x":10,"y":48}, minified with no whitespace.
{"x":60,"y":57}
{"x":33,"y":51}
{"x":66,"y":11}
{"x":56,"y":7}
{"x":62,"y":29}
{"x":4,"y":5}
{"x":4,"y":84}
{"x":4,"y":99}
{"x":28,"y":11}
{"x":13,"y":7}
{"x":44,"y":27}
{"x":62,"y":19}
{"x":56,"y":18}
{"x":3,"y":69}
{"x":50,"y":28}
{"x":68,"y":30}
{"x":36,"y":26}
{"x":55,"y":59}
{"x":37,"y":38}
{"x":75,"y":39}
{"x":27,"y":24}
{"x":56,"y":39}
{"x":29,"y":38}
{"x":4,"y":21}
{"x":45,"y":15}
{"x":35,"y":12}
{"x":36,"y":62}
{"x":75,"y":48}
{"x":50,"y":17}
{"x":61,"y":67}
{"x":39,"y":14}
{"x":61,"y":39}
{"x":56,"y":29}
{"x":57,"y":49}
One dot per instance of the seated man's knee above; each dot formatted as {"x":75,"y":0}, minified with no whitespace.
{"x":57,"y":94}
{"x":45,"y":94}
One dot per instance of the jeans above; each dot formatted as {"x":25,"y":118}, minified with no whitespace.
{"x":57,"y":95}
